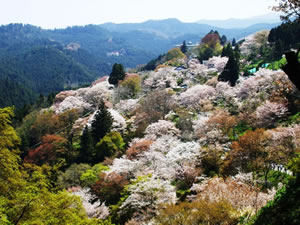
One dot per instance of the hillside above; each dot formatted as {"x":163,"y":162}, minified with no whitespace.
{"x":46,"y":61}
{"x":184,"y":143}
{"x":44,"y":70}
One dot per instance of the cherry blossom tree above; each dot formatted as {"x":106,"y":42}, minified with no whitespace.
{"x":93,"y":210}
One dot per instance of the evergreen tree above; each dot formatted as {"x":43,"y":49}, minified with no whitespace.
{"x":117,"y":73}
{"x":183,"y":47}
{"x":231,"y":71}
{"x":237,"y":52}
{"x":223,"y":40}
{"x":86,"y":146}
{"x":233,"y":42}
{"x":227,"y":50}
{"x":101,"y":124}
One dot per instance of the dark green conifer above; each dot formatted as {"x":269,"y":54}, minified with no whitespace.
{"x":227,"y":50}
{"x":183,"y":47}
{"x":231,"y":71}
{"x":233,"y":42}
{"x":117,"y":73}
{"x":102,"y":123}
{"x":223,"y":40}
{"x":237,"y":52}
{"x":87,"y":150}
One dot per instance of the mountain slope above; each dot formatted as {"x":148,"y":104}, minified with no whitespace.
{"x":43,"y":70}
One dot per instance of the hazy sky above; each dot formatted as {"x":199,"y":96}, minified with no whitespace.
{"x":63,"y":13}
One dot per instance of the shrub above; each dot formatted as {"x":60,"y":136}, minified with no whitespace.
{"x":111,"y":144}
{"x":71,"y":177}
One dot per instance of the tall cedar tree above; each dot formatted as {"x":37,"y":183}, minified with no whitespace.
{"x":233,"y":42}
{"x":101,"y":124}
{"x":117,"y":73}
{"x":183,"y":47}
{"x":231,"y":71}
{"x":87,"y":150}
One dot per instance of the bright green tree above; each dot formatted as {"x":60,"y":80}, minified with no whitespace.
{"x":130,"y":87}
{"x":26,"y":195}
{"x":111,"y":144}
{"x":174,"y":53}
{"x":90,"y":176}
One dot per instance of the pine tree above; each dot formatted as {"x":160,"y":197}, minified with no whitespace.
{"x":117,"y":73}
{"x":183,"y":47}
{"x":101,"y":124}
{"x":231,"y":71}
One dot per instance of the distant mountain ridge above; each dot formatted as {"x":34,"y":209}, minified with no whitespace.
{"x":172,"y":28}
{"x":270,"y":18}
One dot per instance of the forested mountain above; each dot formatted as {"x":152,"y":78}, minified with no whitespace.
{"x":46,"y":69}
{"x":171,"y":28}
{"x":208,"y":134}
{"x":43,"y":61}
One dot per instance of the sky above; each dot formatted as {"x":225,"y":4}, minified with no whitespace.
{"x":51,"y":14}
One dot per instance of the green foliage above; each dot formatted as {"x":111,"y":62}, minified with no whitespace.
{"x":284,"y":37}
{"x":15,"y":94}
{"x":24,"y":78}
{"x":276,"y":65}
{"x":239,"y":130}
{"x":294,"y":164}
{"x":284,"y":209}
{"x":117,"y":74}
{"x":111,"y":144}
{"x":175,"y":53}
{"x":25,"y":191}
{"x":90,"y":176}
{"x":71,"y":177}
{"x":155,"y":62}
{"x":205,"y":52}
{"x":198,"y":212}
{"x":179,"y":81}
{"x":276,"y":177}
{"x":131,"y":86}
{"x":9,"y":159}
{"x":211,"y":162}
